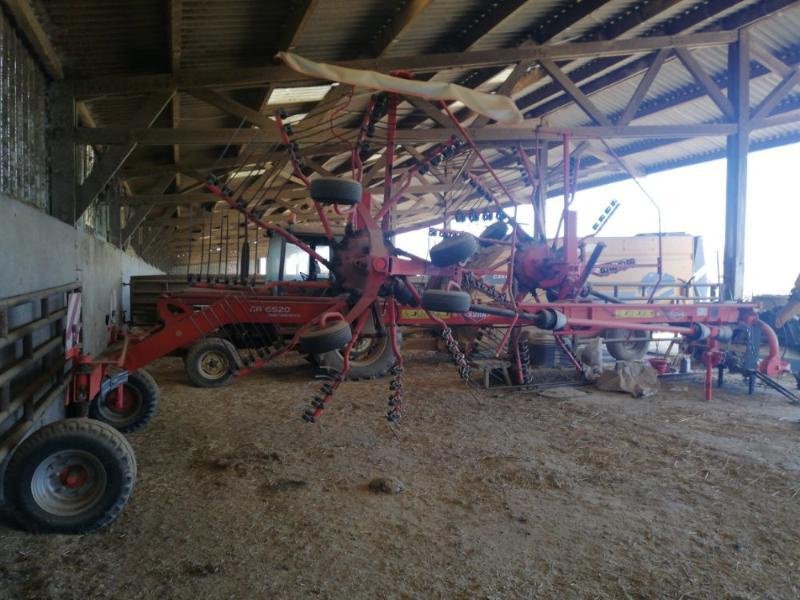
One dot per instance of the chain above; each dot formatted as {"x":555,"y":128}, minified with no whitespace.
{"x":470,"y":282}
{"x":325,"y":395}
{"x":395,"y":394}
{"x":525,"y":361}
{"x":460,"y":360}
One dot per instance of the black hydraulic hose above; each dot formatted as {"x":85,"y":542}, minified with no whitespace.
{"x":606,"y":297}
{"x":548,"y":318}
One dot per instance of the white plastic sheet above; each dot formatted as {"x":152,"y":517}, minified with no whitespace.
{"x":495,"y":106}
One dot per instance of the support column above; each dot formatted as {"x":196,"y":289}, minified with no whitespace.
{"x":540,"y":221}
{"x":736,"y":181}
{"x":61,"y":106}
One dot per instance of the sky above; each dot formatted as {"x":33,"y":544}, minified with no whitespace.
{"x":692,"y":200}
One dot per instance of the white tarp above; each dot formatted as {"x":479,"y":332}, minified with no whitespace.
{"x":495,"y":106}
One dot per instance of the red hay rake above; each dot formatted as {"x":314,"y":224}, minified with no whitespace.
{"x":370,"y":293}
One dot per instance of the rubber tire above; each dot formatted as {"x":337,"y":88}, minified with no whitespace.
{"x":195,"y":355}
{"x":98,"y":439}
{"x":377,"y":367}
{"x":633,"y":350}
{"x":454,"y":250}
{"x":332,"y":337}
{"x":147,"y":388}
{"x":336,"y":190}
{"x":495,"y":231}
{"x":446,"y":301}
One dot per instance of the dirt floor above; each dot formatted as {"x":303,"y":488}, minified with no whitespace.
{"x":505,"y":495}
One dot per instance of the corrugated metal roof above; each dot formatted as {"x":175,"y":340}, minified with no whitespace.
{"x":96,"y":38}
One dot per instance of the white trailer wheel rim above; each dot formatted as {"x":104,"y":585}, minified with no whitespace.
{"x":68,"y":483}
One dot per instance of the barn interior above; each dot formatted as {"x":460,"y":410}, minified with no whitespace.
{"x":223,"y":363}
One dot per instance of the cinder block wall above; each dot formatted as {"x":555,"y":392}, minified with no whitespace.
{"x":39,"y":251}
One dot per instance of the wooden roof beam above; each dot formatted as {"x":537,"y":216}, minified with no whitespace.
{"x":26,"y":20}
{"x":297,"y":23}
{"x":249,"y":77}
{"x":405,"y":18}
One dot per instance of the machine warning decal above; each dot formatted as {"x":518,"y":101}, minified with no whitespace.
{"x":634,"y":313}
{"x":418,"y":313}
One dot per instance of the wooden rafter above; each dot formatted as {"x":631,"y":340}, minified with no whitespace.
{"x":112,"y":160}
{"x":410,"y":11}
{"x":644,"y":86}
{"x":704,"y":79}
{"x":175,"y":49}
{"x":26,"y":20}
{"x":298,"y":21}
{"x":574,"y":92}
{"x":248,"y":77}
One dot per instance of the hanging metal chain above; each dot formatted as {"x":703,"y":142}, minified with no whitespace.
{"x":469,"y":283}
{"x":325,"y":395}
{"x":396,"y":394}
{"x":460,"y":360}
{"x":525,"y":360}
{"x":472,"y":283}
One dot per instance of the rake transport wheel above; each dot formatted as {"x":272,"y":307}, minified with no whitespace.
{"x":335,"y":190}
{"x":211,"y":362}
{"x":633,"y":344}
{"x":453,"y":250}
{"x":72,"y":476}
{"x":370,"y":358}
{"x":138,"y":405}
{"x":495,"y":231}
{"x":331,"y":337}
{"x":446,"y":301}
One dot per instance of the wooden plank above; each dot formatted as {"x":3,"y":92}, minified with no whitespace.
{"x":186,"y":199}
{"x":775,"y":96}
{"x":139,"y":215}
{"x":770,"y":61}
{"x":704,"y":79}
{"x":297,"y":23}
{"x":110,"y":162}
{"x":27,"y":22}
{"x":486,"y":135}
{"x":232,"y":107}
{"x":581,"y":99}
{"x":736,"y":169}
{"x":506,"y":89}
{"x":644,"y":85}
{"x":433,"y":111}
{"x":402,"y":21}
{"x":247,"y":77}
{"x":176,"y":46}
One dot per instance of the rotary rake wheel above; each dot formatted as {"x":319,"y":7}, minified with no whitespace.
{"x":370,"y":277}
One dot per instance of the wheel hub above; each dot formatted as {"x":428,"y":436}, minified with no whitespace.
{"x":214,"y":365}
{"x":68,"y":482}
{"x":124,"y":403}
{"x":74,"y":476}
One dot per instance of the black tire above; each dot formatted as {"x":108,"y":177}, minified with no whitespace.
{"x":212,"y":363}
{"x":495,"y":231}
{"x":446,"y":301}
{"x":332,"y":337}
{"x":370,"y":358}
{"x":95,"y":476}
{"x":336,"y":190}
{"x":140,"y":404}
{"x":633,"y":348}
{"x":454,"y":250}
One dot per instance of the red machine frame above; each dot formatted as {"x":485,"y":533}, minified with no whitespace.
{"x":236,"y":304}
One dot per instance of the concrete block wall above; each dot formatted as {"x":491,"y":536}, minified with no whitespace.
{"x":38,"y":251}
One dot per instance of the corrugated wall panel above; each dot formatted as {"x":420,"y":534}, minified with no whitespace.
{"x":23,"y":150}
